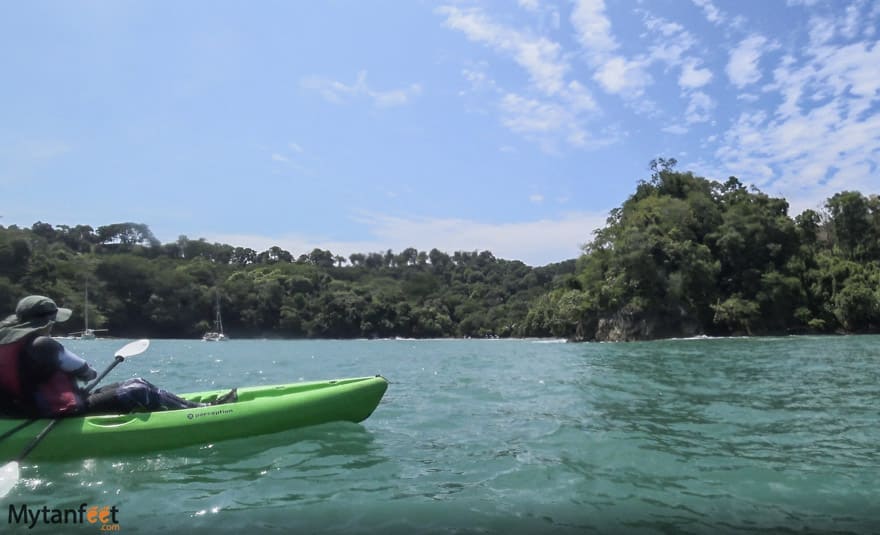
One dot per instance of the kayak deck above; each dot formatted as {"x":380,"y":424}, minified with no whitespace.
{"x":259,"y":410}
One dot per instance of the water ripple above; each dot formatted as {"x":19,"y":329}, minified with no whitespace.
{"x":691,"y":436}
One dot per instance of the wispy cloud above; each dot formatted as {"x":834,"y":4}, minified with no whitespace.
{"x":822,"y":30}
{"x":556,"y":107}
{"x":593,"y":29}
{"x":480,"y":81}
{"x":292,"y":157}
{"x":699,"y":109}
{"x":539,"y":119}
{"x":712,"y":13}
{"x":614,"y":72}
{"x":539,"y":56}
{"x":742,"y":69}
{"x":823,"y":137}
{"x":19,"y":159}
{"x":535,"y":243}
{"x":676,"y":129}
{"x":628,"y":77}
{"x":530,"y":5}
{"x":851,"y":22}
{"x":40,"y":150}
{"x":338,"y":92}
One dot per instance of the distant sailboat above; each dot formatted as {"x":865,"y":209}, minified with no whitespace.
{"x":217,"y":334}
{"x":86,"y":333}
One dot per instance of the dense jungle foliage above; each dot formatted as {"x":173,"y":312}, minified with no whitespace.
{"x":682,"y":256}
{"x":685,"y":256}
{"x":140,"y":287}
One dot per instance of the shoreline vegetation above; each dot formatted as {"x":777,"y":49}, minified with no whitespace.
{"x":682,"y":257}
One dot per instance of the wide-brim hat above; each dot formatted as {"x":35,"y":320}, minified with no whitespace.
{"x":33,"y":313}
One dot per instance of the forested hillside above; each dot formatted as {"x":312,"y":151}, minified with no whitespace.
{"x":681,"y":256}
{"x":140,"y":287}
{"x":685,"y":256}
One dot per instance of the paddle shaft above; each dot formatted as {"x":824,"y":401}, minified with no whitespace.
{"x":112,"y":365}
{"x":17,"y":428}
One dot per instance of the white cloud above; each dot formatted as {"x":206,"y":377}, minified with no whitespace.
{"x":664,"y":27}
{"x":279,"y":158}
{"x":42,"y":149}
{"x":811,"y":148}
{"x":615,"y":73}
{"x":578,"y":98}
{"x":870,"y":27}
{"x":479,"y":80}
{"x":623,"y":76}
{"x":849,"y":25}
{"x":527,"y":115}
{"x":694,"y":77}
{"x":593,"y":30}
{"x":675,"y":129}
{"x":712,"y":13}
{"x":672,"y":41}
{"x":699,"y":108}
{"x":673,"y":47}
{"x":558,"y":114}
{"x":536,"y":198}
{"x":671,"y":52}
{"x":821,"y":30}
{"x":529,"y":5}
{"x":338,"y":92}
{"x":540,"y":57}
{"x":535,"y":243}
{"x":295,"y":147}
{"x":542,"y":121}
{"x":808,"y":3}
{"x":551,"y":124}
{"x":742,"y":69}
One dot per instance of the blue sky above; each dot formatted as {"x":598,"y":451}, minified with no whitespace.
{"x":362,"y":126}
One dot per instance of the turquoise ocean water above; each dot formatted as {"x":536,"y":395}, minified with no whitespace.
{"x":772,"y":435}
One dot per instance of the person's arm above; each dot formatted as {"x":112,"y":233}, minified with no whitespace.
{"x":72,"y":363}
{"x":48,"y":354}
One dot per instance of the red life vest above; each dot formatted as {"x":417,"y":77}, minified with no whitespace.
{"x":56,"y":396}
{"x":10,"y":381}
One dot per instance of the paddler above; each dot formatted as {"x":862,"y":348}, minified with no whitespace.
{"x":39,"y":377}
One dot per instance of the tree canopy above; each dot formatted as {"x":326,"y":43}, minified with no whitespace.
{"x":682,"y":256}
{"x":139,"y":287}
{"x":685,"y":256}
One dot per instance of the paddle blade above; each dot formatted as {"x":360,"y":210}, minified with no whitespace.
{"x":9,"y":476}
{"x":134,"y":348}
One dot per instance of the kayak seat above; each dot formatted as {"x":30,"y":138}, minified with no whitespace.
{"x":229,"y":397}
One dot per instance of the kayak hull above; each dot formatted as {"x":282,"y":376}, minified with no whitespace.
{"x":260,"y":410}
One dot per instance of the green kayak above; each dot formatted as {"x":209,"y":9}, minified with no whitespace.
{"x":259,"y":410}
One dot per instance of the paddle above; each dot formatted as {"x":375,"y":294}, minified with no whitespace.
{"x":10,"y":473}
{"x":17,"y":428}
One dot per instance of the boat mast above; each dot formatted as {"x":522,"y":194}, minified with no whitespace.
{"x":218,"y":323}
{"x":86,"y":309}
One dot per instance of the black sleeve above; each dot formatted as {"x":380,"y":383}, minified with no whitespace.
{"x":41,"y":358}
